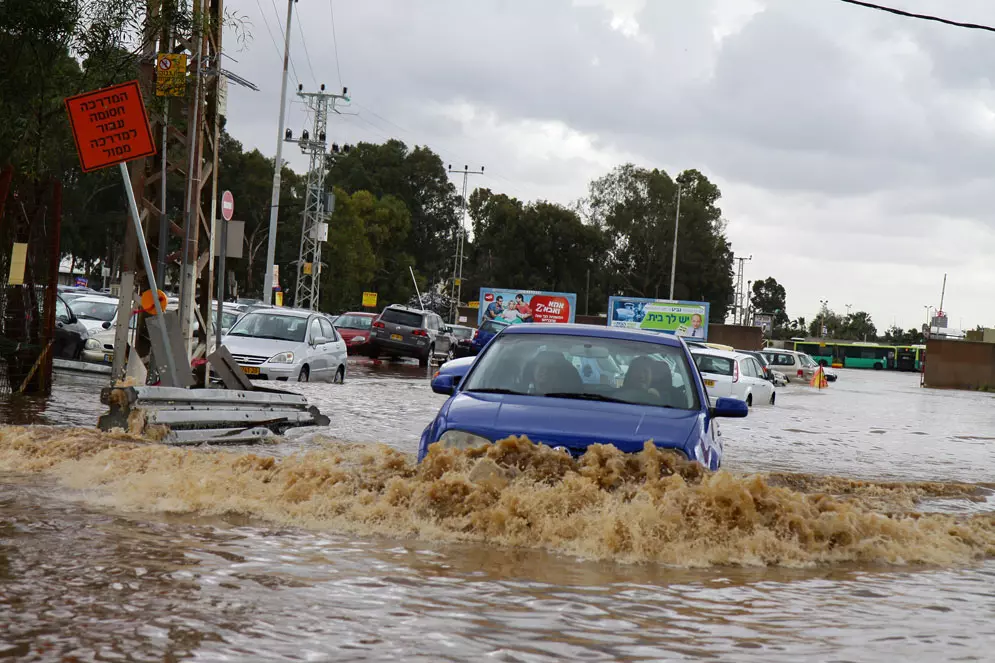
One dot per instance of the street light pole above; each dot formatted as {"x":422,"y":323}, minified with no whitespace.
{"x":822,"y":323}
{"x":274,"y":206}
{"x":677,"y":223}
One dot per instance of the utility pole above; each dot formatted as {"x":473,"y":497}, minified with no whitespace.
{"x":739,"y":314}
{"x":677,"y":223}
{"x":274,"y":206}
{"x":317,"y":204}
{"x":461,"y":241}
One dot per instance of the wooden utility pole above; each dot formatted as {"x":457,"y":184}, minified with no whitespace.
{"x":192,"y":126}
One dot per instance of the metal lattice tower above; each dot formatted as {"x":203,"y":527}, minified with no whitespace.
{"x":314,"y":228}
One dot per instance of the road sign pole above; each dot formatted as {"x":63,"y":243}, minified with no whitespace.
{"x":223,"y":251}
{"x":144,"y":250}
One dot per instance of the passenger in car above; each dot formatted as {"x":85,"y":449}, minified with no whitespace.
{"x":638,"y":384}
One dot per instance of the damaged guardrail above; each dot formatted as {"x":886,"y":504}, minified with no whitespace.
{"x":175,"y":415}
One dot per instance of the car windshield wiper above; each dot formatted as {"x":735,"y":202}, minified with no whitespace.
{"x":583,"y":396}
{"x":497,"y":390}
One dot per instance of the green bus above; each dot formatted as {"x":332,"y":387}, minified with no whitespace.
{"x":910,"y":357}
{"x":851,"y":355}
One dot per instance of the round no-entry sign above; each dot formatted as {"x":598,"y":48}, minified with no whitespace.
{"x":227,"y":205}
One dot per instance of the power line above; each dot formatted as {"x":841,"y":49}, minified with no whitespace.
{"x":292,"y":67}
{"x":924,"y":17}
{"x":335,"y":41}
{"x":300,"y":28}
{"x":268,"y":31}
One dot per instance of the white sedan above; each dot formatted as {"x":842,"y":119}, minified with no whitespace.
{"x":287,"y":344}
{"x":733,"y":375}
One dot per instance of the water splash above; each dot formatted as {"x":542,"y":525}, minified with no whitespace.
{"x":646,"y":507}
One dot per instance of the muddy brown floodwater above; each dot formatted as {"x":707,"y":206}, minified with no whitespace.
{"x":852,"y":524}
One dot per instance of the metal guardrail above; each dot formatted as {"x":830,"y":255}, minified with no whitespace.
{"x":193,"y":416}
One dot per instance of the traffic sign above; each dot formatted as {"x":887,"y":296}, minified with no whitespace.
{"x":369,"y":299}
{"x":227,"y":205}
{"x":110,"y":126}
{"x":171,"y":75}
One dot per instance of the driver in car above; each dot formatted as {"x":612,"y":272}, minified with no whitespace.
{"x":638,"y":384}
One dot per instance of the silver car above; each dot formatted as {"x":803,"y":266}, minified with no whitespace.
{"x":284,"y":344}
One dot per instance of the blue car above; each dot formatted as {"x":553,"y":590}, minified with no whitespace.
{"x":526,"y":382}
{"x":488,"y":330}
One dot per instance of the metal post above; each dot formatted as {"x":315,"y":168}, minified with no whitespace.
{"x":274,"y":207}
{"x":677,"y":223}
{"x":188,"y":271}
{"x":144,"y":250}
{"x":415,"y":281}
{"x":160,"y":274}
{"x":221,"y":282}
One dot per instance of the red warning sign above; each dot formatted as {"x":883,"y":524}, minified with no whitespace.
{"x":110,"y":126}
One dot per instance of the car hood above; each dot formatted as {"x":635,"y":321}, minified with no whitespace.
{"x":573,"y":424}
{"x":261,"y":347}
{"x":91,"y":325}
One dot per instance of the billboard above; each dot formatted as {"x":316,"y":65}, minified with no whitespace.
{"x":518,"y":306}
{"x":687,"y":319}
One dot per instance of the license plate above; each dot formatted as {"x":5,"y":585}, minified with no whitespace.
{"x":109,"y":358}
{"x":709,"y":383}
{"x":250,"y":370}
{"x":396,"y":337}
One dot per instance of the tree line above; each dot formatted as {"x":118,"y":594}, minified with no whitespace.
{"x":769,"y":297}
{"x":396,"y":208}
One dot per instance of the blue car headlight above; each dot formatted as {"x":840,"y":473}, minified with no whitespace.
{"x":459,"y":439}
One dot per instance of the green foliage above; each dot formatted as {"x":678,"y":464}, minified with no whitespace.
{"x":366,"y":251}
{"x":418,"y":179}
{"x":854,"y":327}
{"x":535,"y":245}
{"x":769,"y":297}
{"x":636,"y":209}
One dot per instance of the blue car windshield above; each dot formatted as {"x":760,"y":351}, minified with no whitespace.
{"x":586,"y":368}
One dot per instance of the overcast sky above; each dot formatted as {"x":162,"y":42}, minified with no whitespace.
{"x":855,"y":149}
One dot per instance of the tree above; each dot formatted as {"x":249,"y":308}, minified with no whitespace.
{"x":419,"y":180}
{"x":536,"y":246}
{"x":859,"y":327}
{"x":636,"y":209}
{"x":366,"y":251}
{"x":769,"y":297}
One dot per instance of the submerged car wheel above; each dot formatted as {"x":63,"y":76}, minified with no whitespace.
{"x":305,"y":375}
{"x":339,"y":375}
{"x":424,"y":361}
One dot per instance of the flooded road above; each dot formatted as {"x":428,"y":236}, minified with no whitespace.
{"x":111,"y":549}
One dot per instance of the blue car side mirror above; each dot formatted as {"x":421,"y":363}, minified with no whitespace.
{"x":445,"y":384}
{"x":730,"y":407}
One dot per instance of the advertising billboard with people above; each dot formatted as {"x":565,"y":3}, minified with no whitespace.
{"x":518,"y":306}
{"x":687,"y":319}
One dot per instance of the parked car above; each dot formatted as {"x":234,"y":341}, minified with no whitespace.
{"x":488,"y":330}
{"x":70,"y":333}
{"x":793,"y":365}
{"x":99,"y":347}
{"x":401,"y":331}
{"x":95,"y":311}
{"x":355,"y":329}
{"x":830,"y":373}
{"x":463,"y":337}
{"x":525,"y":383}
{"x":733,"y":375}
{"x":284,"y":344}
{"x":775,"y":377}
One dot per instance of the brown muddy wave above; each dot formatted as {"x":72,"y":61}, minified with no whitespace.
{"x":646,"y":507}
